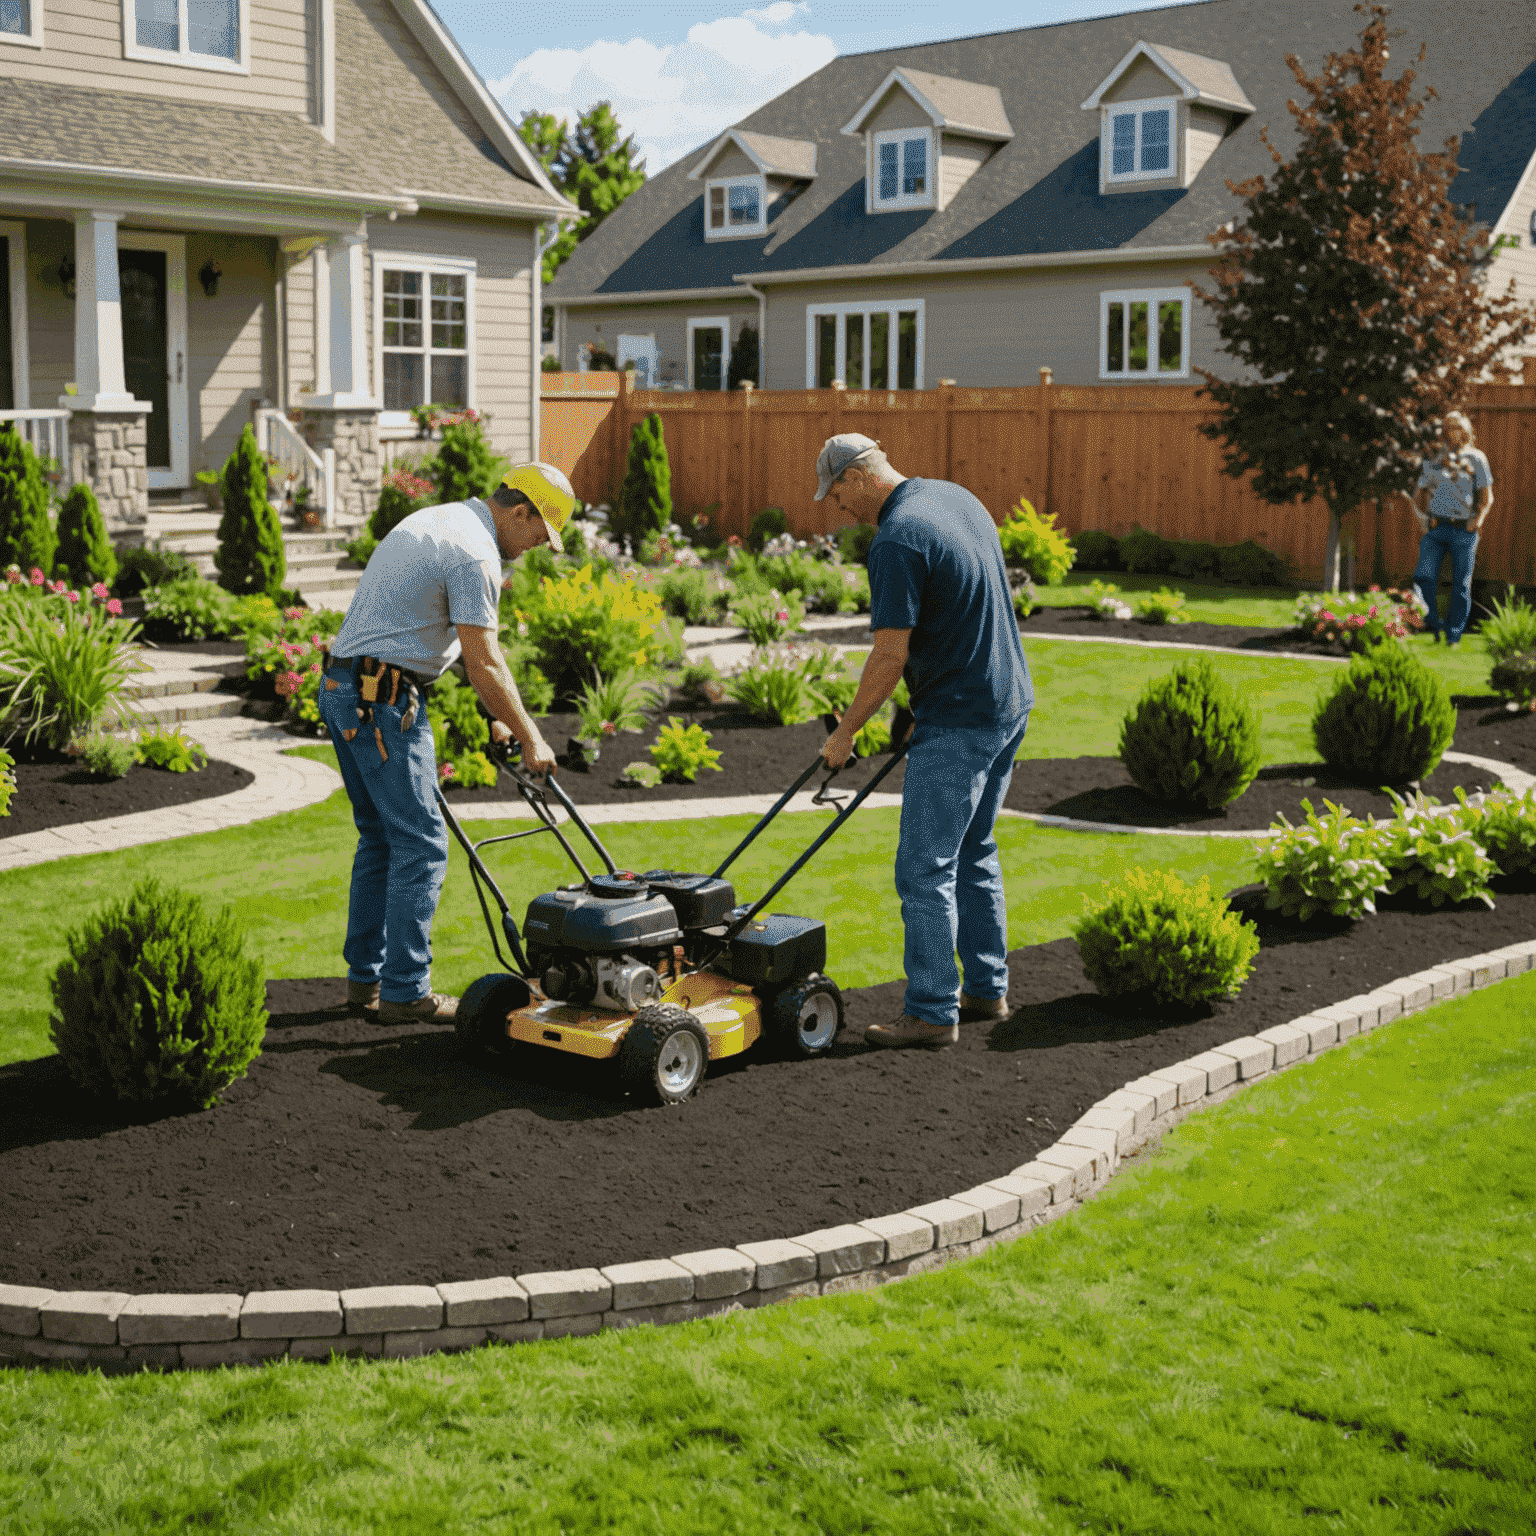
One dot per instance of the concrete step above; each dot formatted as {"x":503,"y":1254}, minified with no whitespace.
{"x":166,"y":681}
{"x":167,"y":709}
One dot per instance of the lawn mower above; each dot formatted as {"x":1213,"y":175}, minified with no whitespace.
{"x":663,"y":970}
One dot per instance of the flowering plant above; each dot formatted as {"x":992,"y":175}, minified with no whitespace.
{"x":768,"y":616}
{"x":1358,"y":623}
{"x":1105,"y":601}
{"x":410,"y":485}
{"x":780,"y":689}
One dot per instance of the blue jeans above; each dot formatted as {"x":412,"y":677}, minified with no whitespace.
{"x":947,"y":870}
{"x":402,"y":841}
{"x":1460,"y":543}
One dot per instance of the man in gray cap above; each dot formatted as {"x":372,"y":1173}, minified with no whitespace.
{"x":942,"y":618}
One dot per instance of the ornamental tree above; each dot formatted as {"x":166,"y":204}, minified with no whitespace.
{"x":645,"y":499}
{"x":1352,"y":294}
{"x":85,"y":554}
{"x":250,"y":557}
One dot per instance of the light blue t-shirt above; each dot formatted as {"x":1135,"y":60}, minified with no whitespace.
{"x":1453,"y":486}
{"x":436,"y":568}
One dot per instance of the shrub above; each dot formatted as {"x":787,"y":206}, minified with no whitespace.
{"x":1434,"y":855}
{"x":1514,"y":678}
{"x":1359,"y":623}
{"x":1151,"y":933}
{"x":1147,"y":553}
{"x":680,"y":752}
{"x":192,"y":609}
{"x":618,"y":704}
{"x":1387,"y":720}
{"x":1251,"y":565}
{"x":466,"y":464}
{"x":645,"y":498}
{"x":169,"y":749}
{"x":293,"y":643}
{"x":360,"y":550}
{"x":642,"y":775}
{"x":26,"y":536}
{"x":406,"y":489}
{"x":1093,"y":550}
{"x":768,"y":616}
{"x":766,"y":525}
{"x":701,"y":682}
{"x":85,"y":554}
{"x":1504,"y":826}
{"x":774,"y":690}
{"x":250,"y":555}
{"x":691,"y":596}
{"x":1330,"y":865}
{"x":7,"y":781}
{"x":533,"y":687}
{"x":104,"y":757}
{"x":1105,"y":601}
{"x":150,"y":567}
{"x":853,"y":542}
{"x":1510,"y":626}
{"x":1025,"y":600}
{"x":459,"y":725}
{"x":1191,"y":740}
{"x":1162,"y":607}
{"x":472,"y":770}
{"x":1033,"y":541}
{"x":157,"y":1001}
{"x":873,"y":737}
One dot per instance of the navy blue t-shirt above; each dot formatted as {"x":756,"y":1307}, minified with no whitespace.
{"x":936,"y":568}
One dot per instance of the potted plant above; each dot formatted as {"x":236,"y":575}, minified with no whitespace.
{"x":586,"y":746}
{"x":212,"y":492}
{"x":308,"y":515}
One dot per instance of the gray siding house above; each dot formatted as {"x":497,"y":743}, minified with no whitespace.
{"x":980,"y":208}
{"x":306,"y":214}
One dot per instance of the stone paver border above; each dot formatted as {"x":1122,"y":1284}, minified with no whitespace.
{"x":120,"y":1333}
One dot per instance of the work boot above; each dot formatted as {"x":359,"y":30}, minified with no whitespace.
{"x":362,"y":997}
{"x":434,"y":1008}
{"x":974,"y":1009}
{"x":906,"y":1032}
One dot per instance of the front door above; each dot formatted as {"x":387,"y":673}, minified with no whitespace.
{"x":709,"y":359}
{"x":152,"y":277}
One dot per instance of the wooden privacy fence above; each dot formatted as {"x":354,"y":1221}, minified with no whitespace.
{"x":1107,"y":457}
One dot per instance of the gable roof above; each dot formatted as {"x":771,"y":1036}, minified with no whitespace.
{"x":772,"y":157}
{"x":1207,"y":81}
{"x":962,"y":106}
{"x":1038,"y":195}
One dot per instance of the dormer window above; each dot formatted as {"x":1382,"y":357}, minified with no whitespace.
{"x":1141,"y":141}
{"x":736,"y":205}
{"x":903,"y":177}
{"x":748,"y":179}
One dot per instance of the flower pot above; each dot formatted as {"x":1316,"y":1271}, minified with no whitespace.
{"x":583,"y":753}
{"x":311,"y":517}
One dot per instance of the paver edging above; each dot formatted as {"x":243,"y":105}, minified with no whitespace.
{"x":120,"y":1333}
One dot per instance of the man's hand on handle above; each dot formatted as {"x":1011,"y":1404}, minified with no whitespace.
{"x":538,"y":756}
{"x":838,"y":747}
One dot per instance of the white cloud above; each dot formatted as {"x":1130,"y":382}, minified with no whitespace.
{"x":672,"y":97}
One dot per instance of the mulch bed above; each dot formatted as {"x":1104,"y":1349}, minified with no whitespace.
{"x":353,"y":1154}
{"x":1486,"y":728}
{"x":61,"y":793}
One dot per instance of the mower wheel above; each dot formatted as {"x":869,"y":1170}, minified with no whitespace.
{"x":664,"y":1055}
{"x":483,"y":1010}
{"x":807,"y":1018}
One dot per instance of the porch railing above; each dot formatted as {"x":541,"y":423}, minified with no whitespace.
{"x":47,"y":431}
{"x":278,"y":438}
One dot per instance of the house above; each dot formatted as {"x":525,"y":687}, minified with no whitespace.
{"x":980,"y":208}
{"x":310,"y":213}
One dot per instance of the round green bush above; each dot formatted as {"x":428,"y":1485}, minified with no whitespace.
{"x":767,"y":524}
{"x":1514,"y":677}
{"x":1191,"y":740}
{"x":1153,"y":934}
{"x":157,"y":1002}
{"x":1387,"y":720}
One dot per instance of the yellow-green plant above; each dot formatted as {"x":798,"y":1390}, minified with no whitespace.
{"x":171,"y":750}
{"x":7,"y":781}
{"x":681,"y":751}
{"x":578,"y":626}
{"x":1032,"y":540}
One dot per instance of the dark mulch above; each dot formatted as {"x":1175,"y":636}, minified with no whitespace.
{"x":61,"y":793}
{"x":1099,"y":789}
{"x":355,"y":1155}
{"x":1485,"y":727}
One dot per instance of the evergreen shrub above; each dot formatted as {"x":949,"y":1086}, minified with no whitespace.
{"x":768,"y":524}
{"x":250,"y":556}
{"x":150,"y":567}
{"x":1033,"y":541}
{"x":1094,"y":550}
{"x":26,"y":536}
{"x":1191,"y":739}
{"x":1514,"y":677}
{"x":84,"y":554}
{"x":105,"y":757}
{"x":1387,"y":720}
{"x":157,"y":1001}
{"x":466,"y":464}
{"x":1151,"y":933}
{"x":645,"y":499}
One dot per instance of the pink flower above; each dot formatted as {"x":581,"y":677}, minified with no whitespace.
{"x":289,"y":683}
{"x":100,"y":591}
{"x":114,"y":607}
{"x":445,"y":772}
{"x":73,"y":597}
{"x":37,"y":577}
{"x":782,"y":615}
{"x":314,"y":669}
{"x":609,"y":728}
{"x":293,"y":613}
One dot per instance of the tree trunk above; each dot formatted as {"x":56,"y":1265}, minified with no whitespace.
{"x":1331,"y":555}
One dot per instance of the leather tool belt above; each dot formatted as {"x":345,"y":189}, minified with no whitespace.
{"x":377,"y":680}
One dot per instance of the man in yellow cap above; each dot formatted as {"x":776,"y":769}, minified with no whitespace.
{"x":429,"y":596}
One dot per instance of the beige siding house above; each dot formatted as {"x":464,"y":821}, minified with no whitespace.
{"x":982,"y":208}
{"x":305,"y":215}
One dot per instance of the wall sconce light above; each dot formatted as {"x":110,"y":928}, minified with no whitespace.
{"x":208,"y":275}
{"x":67,"y":276}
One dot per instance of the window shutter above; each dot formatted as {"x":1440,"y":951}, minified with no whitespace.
{"x":717,"y":207}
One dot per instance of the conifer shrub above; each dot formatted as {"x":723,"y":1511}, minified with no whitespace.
{"x":1153,"y":934}
{"x":84,"y":554}
{"x":1191,"y":739}
{"x":250,"y":556}
{"x":157,"y":1001}
{"x":466,"y":464}
{"x":1387,"y":720}
{"x":644,"y":507}
{"x":26,"y":536}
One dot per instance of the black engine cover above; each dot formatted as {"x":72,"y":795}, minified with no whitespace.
{"x":576,"y":919}
{"x":698,"y":900}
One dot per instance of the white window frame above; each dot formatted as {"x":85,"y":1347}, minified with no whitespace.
{"x":1168,"y":104}
{"x":20,"y":359}
{"x":402,"y":261}
{"x":925,"y":199}
{"x":703,"y":323}
{"x":184,"y":58}
{"x":892,"y":307}
{"x":737,"y":231}
{"x":32,"y":39}
{"x":1152,"y":297}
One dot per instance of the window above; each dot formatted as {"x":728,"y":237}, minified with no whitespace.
{"x":1144,"y":334}
{"x":709,"y":353}
{"x":1140,"y":142}
{"x":21,"y":21}
{"x":205,"y":34}
{"x":866,"y":346}
{"x":902,"y":171}
{"x":735,"y":207}
{"x":14,"y":367}
{"x":423,"y":332}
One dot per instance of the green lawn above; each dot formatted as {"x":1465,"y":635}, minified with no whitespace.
{"x":1313,"y":1308}
{"x":1209,"y":602}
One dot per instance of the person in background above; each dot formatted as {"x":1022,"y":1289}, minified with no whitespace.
{"x":1454,"y":494}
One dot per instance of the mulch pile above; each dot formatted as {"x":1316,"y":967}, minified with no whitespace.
{"x":353,"y":1154}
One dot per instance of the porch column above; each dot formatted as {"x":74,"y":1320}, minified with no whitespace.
{"x":108,"y":447}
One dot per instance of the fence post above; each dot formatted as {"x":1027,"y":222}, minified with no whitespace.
{"x":618,"y":459}
{"x":1043,"y":442}
{"x":750,"y":496}
{"x":946,"y":401}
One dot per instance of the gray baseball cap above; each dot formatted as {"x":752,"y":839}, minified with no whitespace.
{"x":837,"y":454}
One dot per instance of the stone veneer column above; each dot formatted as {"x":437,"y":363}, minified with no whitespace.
{"x":354,"y":433}
{"x":108,"y":450}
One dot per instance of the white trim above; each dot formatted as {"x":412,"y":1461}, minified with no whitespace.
{"x":1188,"y":90}
{"x":874,"y":203}
{"x":1138,"y":110}
{"x":183,"y":57}
{"x":21,"y":357}
{"x":898,"y":76}
{"x":729,"y":231}
{"x":1152,"y":297}
{"x":730,"y":136}
{"x":647,"y":296}
{"x":325,"y":70}
{"x":723,"y":323}
{"x":34,"y":38}
{"x":401,"y":261}
{"x":1110,"y":256}
{"x":892,"y":307}
{"x":176,"y":361}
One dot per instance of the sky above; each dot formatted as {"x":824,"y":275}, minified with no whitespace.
{"x":679,"y":73}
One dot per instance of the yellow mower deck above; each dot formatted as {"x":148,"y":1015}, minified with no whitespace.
{"x":730,"y":1013}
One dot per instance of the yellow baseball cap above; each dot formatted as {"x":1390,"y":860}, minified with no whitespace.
{"x":548,"y":489}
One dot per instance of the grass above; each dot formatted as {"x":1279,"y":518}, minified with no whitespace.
{"x":1314,"y":1307}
